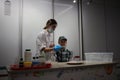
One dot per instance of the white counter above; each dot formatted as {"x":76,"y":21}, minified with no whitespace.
{"x":64,"y":65}
{"x":63,"y":71}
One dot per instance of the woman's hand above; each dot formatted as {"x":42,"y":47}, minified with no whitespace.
{"x":52,"y":45}
{"x":48,"y":49}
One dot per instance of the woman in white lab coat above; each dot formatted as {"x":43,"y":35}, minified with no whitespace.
{"x":43,"y":42}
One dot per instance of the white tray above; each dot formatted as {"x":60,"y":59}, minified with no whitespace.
{"x":75,"y":62}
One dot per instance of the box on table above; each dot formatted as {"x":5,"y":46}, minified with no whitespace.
{"x":99,"y":56}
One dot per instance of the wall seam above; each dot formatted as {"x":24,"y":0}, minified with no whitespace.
{"x":106,"y":37}
{"x":20,"y":26}
{"x":81,"y":41}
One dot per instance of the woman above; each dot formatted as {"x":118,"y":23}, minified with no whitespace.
{"x":43,"y":42}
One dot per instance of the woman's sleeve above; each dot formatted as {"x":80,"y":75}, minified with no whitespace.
{"x":41,"y":42}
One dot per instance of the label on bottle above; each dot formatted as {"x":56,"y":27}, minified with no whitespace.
{"x":28,"y":56}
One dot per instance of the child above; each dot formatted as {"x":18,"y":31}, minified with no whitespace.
{"x":63,"y":55}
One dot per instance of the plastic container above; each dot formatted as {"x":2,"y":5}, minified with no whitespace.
{"x":99,"y":56}
{"x":45,"y":66}
{"x":27,"y":64}
{"x":35,"y":61}
{"x":28,"y":55}
{"x":76,"y":58}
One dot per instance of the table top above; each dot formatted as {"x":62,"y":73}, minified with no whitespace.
{"x":65,"y":65}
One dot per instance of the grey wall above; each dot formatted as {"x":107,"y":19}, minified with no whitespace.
{"x":94,"y":26}
{"x":9,"y":33}
{"x":101,"y":26}
{"x":113,"y":27}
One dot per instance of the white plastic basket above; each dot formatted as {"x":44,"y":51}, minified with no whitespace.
{"x":99,"y":56}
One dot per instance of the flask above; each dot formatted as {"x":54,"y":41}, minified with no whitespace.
{"x":42,"y":58}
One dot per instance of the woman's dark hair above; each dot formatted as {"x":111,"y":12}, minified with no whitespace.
{"x":50,"y":22}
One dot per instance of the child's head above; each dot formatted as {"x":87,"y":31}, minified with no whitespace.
{"x":62,"y":41}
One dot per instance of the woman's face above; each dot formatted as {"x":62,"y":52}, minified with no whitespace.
{"x":53,"y":26}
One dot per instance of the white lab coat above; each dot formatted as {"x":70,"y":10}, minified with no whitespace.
{"x":43,"y":40}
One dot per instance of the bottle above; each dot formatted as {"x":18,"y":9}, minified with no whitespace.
{"x":21,"y":63}
{"x":37,"y":59}
{"x":27,"y":55}
{"x":33,"y":61}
